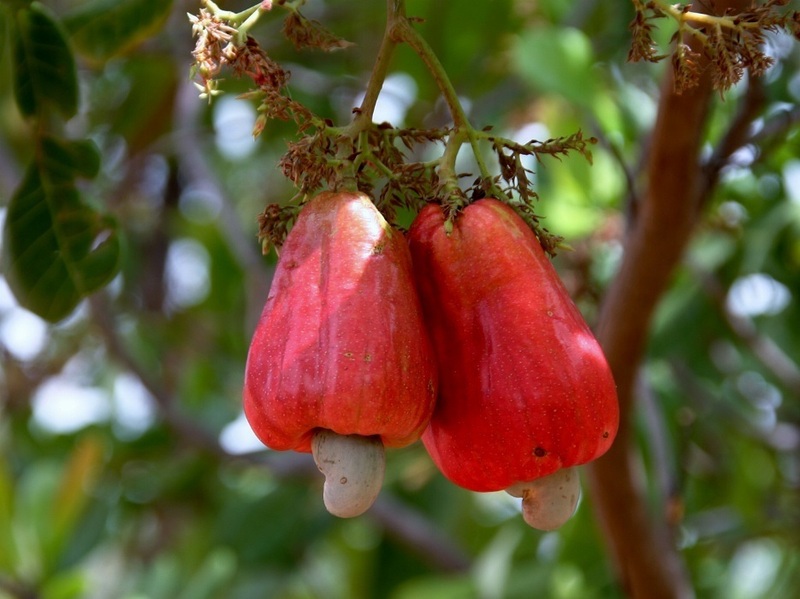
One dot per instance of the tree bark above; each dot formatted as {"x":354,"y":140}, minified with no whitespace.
{"x":641,"y":542}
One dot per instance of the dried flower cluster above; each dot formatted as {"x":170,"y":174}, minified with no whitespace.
{"x":217,"y":48}
{"x":375,"y":158}
{"x":516,"y":175}
{"x":305,"y":33}
{"x":510,"y":153}
{"x":378,"y":159}
{"x":724,"y":45}
{"x":274,"y":224}
{"x":214,"y":49}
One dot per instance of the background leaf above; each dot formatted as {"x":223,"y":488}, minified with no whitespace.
{"x":8,"y":551}
{"x":558,"y":61}
{"x":3,"y":32}
{"x":56,"y":248}
{"x":106,"y":28}
{"x":44,"y":66}
{"x":146,"y":112}
{"x":77,"y":482}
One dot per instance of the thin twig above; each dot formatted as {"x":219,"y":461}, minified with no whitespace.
{"x":663,"y":467}
{"x":244,"y":245}
{"x":187,"y":429}
{"x":363,"y":120}
{"x":415,"y":532}
{"x":707,"y":405}
{"x":632,"y":195}
{"x":736,"y":137}
{"x":763,"y":347}
{"x":403,"y":30}
{"x":774,"y":130}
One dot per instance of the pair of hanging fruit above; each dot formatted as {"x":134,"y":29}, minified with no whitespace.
{"x":525,"y":393}
{"x":340,"y":364}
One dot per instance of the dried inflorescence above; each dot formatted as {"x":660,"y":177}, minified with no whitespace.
{"x":510,"y":154}
{"x":306,"y":33}
{"x":685,"y":66}
{"x":643,"y":47}
{"x":215,"y":48}
{"x":730,"y":44}
{"x":219,"y":46}
{"x":274,"y":224}
{"x":377,"y":159}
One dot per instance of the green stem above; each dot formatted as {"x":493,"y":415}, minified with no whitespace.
{"x":242,"y":21}
{"x":363,"y":121}
{"x":366,"y":155}
{"x":463,"y":129}
{"x":377,"y":163}
{"x":681,"y":16}
{"x":395,"y":9}
{"x":447,"y":163}
{"x":406,"y":33}
{"x":234,"y":18}
{"x":248,"y":23}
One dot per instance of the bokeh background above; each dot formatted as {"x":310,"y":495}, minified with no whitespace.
{"x":126,"y":467}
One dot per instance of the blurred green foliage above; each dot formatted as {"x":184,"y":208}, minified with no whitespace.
{"x":137,"y":500}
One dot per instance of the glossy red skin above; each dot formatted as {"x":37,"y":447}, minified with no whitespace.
{"x":341,"y":342}
{"x":524,"y":388}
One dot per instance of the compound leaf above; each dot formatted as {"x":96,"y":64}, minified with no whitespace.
{"x":44,"y":67}
{"x":56,"y":248}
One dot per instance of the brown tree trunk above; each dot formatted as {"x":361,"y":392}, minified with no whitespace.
{"x":640,"y":541}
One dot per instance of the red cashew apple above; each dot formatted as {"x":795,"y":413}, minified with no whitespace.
{"x":525,"y":392}
{"x":340,"y":363}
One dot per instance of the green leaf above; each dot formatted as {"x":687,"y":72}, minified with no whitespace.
{"x":3,"y":32}
{"x":558,"y":61}
{"x":146,"y":112}
{"x":8,"y":550}
{"x":65,"y":585}
{"x":435,"y":587}
{"x":103,"y":29}
{"x":67,"y":159}
{"x":214,"y":574}
{"x":78,"y":478}
{"x":57,"y":249}
{"x":45,"y":73}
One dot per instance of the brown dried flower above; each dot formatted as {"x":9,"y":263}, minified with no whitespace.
{"x":732,"y":43}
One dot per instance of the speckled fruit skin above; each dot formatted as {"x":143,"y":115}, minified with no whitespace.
{"x":524,"y":388}
{"x":341,"y":343}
